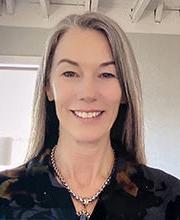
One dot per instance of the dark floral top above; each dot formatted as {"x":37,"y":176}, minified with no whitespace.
{"x":135,"y":192}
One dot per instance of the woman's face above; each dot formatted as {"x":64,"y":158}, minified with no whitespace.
{"x":84,"y":85}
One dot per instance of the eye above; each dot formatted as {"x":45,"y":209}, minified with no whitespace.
{"x":107,"y":75}
{"x":69,"y":74}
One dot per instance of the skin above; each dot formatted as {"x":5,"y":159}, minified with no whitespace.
{"x":88,"y":83}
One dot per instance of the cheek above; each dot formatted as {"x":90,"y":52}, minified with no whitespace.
{"x":62,"y":97}
{"x":113,"y":95}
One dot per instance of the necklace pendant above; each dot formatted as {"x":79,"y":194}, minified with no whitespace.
{"x":83,"y":217}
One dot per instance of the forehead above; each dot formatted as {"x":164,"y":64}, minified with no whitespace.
{"x":83,"y":45}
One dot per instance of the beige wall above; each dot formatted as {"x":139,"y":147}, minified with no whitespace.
{"x":22,"y":41}
{"x":158,"y":57}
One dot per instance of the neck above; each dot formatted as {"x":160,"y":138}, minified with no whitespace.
{"x":85,"y":163}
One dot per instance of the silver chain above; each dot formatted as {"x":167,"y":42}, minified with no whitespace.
{"x":83,"y":200}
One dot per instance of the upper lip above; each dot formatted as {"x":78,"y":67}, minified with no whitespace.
{"x":90,"y":110}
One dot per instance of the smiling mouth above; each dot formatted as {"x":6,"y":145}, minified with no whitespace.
{"x":87,"y":115}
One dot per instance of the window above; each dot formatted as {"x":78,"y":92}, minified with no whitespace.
{"x":16,"y":95}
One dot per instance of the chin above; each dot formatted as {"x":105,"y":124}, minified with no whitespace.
{"x":89,"y":139}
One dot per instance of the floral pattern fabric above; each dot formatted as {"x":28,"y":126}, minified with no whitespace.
{"x":136,"y":192}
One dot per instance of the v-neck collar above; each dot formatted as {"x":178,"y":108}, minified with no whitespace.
{"x":100,"y":209}
{"x":66,"y":204}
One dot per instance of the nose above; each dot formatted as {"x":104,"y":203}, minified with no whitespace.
{"x":88,"y":90}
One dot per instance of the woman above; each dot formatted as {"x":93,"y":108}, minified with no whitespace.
{"x":86,"y":156}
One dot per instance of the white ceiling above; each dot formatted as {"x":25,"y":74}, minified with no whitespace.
{"x":141,"y":16}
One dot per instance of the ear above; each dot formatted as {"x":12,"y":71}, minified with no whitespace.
{"x":49,"y":93}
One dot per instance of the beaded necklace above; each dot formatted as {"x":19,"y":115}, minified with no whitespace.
{"x":85,"y":201}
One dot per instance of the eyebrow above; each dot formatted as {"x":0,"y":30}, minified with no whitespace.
{"x":111,"y":62}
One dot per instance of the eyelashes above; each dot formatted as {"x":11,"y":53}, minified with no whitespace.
{"x":108,"y":75}
{"x":71,"y":74}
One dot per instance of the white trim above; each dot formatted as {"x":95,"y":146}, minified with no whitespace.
{"x":159,"y":11}
{"x":1,"y":5}
{"x":133,"y":6}
{"x":94,"y":5}
{"x":138,"y":11}
{"x":87,"y":5}
{"x":45,"y":4}
{"x":10,"y":4}
{"x":21,"y":62}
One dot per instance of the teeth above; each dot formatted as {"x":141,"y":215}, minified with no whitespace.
{"x":87,"y":114}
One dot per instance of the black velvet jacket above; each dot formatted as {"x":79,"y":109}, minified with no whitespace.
{"x":135,"y":192}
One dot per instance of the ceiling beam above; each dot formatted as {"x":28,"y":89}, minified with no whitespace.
{"x":45,"y":7}
{"x":158,"y":13}
{"x":10,"y":5}
{"x":138,"y":10}
{"x":1,"y":7}
{"x":94,"y":5}
{"x":133,"y":6}
{"x":87,"y":5}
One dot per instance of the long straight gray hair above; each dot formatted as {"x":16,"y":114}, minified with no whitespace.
{"x":127,"y":131}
